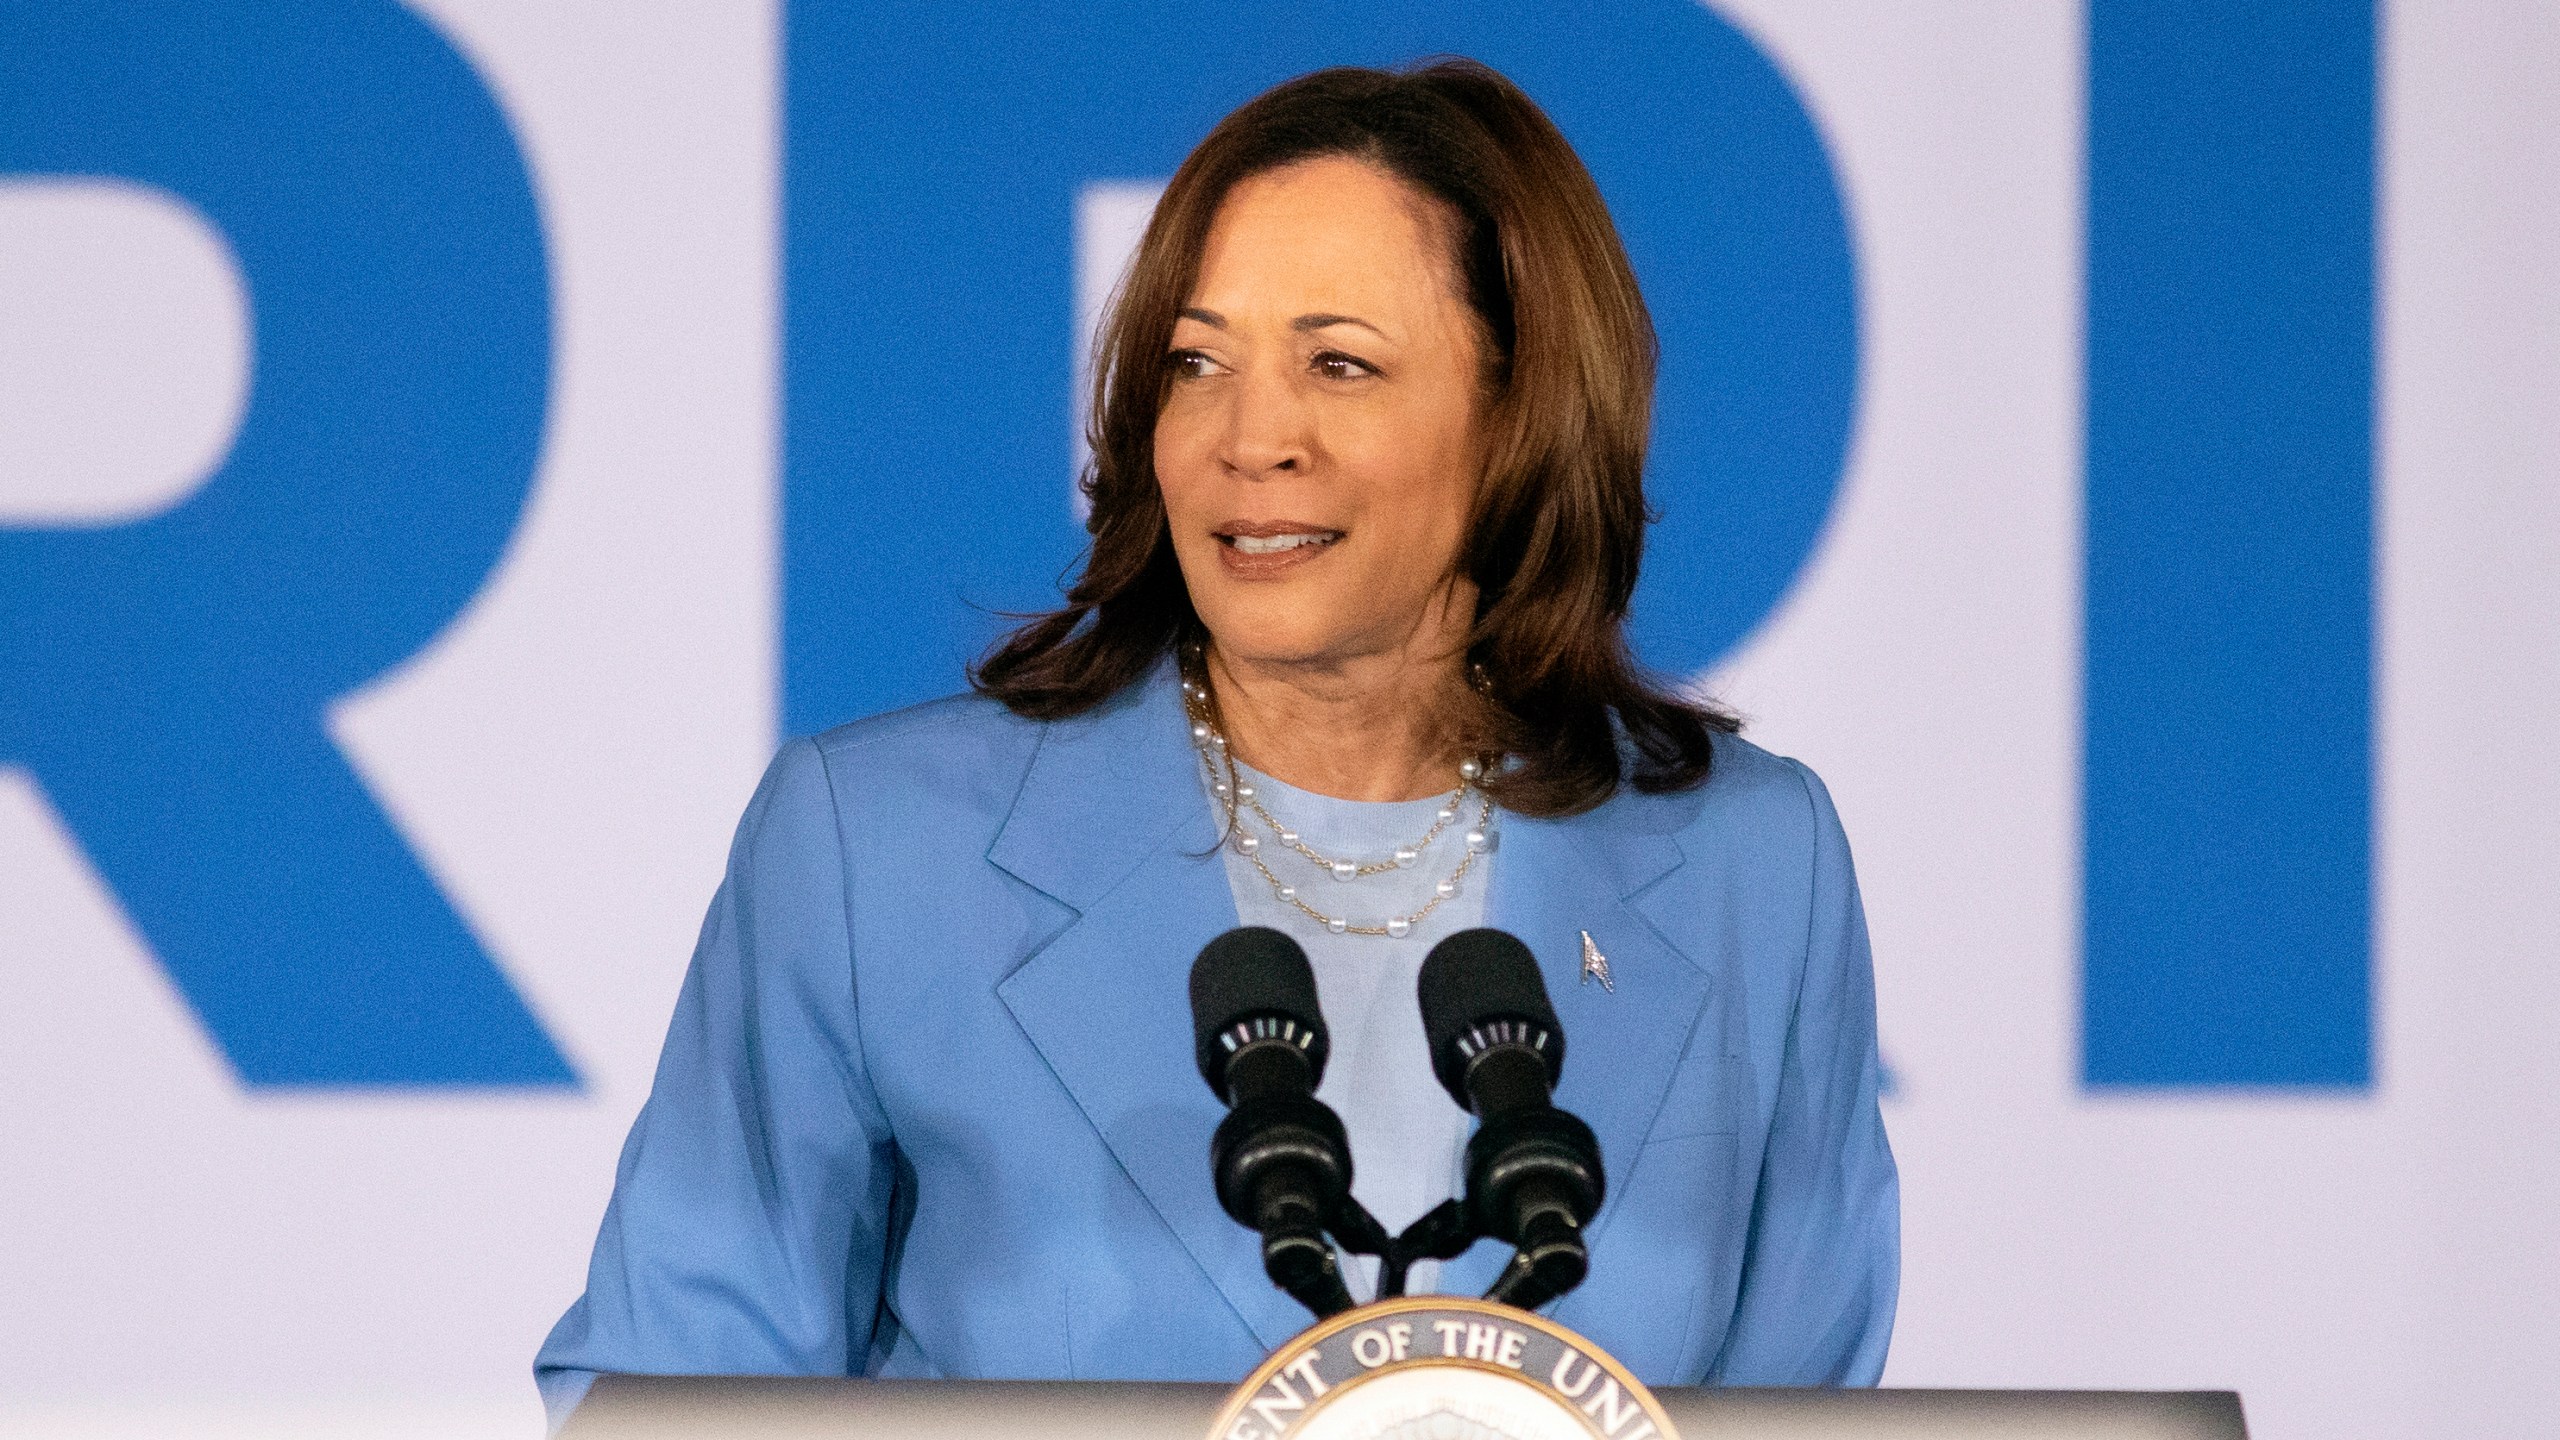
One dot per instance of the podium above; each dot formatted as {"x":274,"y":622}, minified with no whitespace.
{"x":659,"y":1407}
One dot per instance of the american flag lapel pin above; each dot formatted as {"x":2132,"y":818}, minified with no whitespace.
{"x":1595,"y":966}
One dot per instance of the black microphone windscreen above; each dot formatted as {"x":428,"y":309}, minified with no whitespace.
{"x":1472,"y":977}
{"x":1249,"y":971}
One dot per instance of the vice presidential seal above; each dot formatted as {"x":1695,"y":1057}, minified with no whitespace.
{"x":1440,"y":1367}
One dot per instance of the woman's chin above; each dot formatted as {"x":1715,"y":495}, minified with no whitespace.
{"x":1281,"y":643}
{"x":1293,"y":643}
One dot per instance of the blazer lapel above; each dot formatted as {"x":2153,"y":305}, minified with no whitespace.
{"x":1112,"y":824}
{"x":1553,"y":880}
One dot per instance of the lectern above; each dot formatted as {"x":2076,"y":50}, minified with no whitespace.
{"x":638,"y":1407}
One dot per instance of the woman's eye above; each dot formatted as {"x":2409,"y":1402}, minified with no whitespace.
{"x":1334,"y":365}
{"x":1192,"y":365}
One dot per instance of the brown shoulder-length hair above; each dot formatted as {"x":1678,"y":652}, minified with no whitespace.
{"x":1560,"y":513}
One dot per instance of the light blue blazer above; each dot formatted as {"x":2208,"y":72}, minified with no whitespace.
{"x":928,"y":1105}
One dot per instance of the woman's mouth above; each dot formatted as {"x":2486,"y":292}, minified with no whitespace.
{"x":1257,"y":549}
{"x":1274,"y":544}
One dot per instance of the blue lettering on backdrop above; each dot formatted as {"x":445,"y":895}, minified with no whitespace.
{"x":165,"y":680}
{"x":934,"y":156}
{"x":2230,"y":479}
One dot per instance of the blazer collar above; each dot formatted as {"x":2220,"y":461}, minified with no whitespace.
{"x":1106,"y":790}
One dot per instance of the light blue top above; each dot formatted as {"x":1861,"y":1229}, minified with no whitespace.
{"x":1408,"y":1138}
{"x":928,"y":1105}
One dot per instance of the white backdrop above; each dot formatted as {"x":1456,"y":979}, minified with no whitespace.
{"x":186,"y":1256}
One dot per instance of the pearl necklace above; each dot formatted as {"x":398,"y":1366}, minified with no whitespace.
{"x":1231,"y":790}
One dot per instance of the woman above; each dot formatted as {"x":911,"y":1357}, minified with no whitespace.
{"x":1347,"y":658}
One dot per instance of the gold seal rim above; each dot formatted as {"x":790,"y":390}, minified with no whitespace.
{"x":1446,"y":1362}
{"x":1361,"y":1315}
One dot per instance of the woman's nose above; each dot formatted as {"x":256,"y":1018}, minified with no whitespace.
{"x":1267,"y":428}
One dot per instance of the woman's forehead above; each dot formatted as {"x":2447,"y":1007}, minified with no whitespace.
{"x":1329,"y":235}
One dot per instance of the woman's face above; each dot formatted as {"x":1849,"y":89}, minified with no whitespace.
{"x":1320,"y":444}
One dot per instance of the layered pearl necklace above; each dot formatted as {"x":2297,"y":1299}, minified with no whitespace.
{"x":1236,"y":795}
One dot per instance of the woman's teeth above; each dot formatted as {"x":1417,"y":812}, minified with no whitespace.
{"x":1274,"y":544}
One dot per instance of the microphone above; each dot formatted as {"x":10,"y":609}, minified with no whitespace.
{"x":1280,"y":1159}
{"x":1534,"y":1177}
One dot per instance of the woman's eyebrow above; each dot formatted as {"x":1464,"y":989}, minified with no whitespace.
{"x":1302,"y":324}
{"x":1319,"y":322}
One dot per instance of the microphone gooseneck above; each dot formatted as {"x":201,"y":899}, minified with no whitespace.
{"x":1534,"y":1176}
{"x":1280,"y":1159}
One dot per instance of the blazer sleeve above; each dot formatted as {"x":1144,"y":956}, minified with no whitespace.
{"x":750,"y":1209}
{"x":1823,"y":1262}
